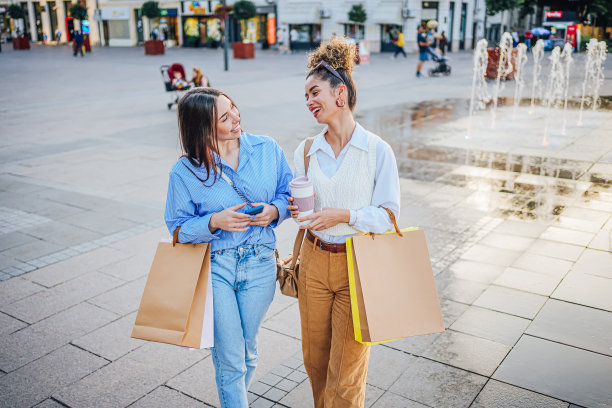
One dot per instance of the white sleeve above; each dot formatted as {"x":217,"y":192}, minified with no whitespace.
{"x":386,"y":194}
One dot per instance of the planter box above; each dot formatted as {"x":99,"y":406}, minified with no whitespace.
{"x":243,"y":50}
{"x":21,"y":43}
{"x":493,"y":62}
{"x":154,"y":47}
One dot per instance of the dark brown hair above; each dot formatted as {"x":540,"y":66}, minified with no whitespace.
{"x":340,"y":55}
{"x":197,"y":120}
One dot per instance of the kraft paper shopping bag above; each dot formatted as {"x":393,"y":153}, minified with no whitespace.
{"x":393,"y":292}
{"x":176,"y":306}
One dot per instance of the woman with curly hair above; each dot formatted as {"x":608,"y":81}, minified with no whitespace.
{"x":355,"y":178}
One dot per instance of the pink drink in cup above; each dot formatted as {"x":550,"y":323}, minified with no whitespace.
{"x":302,"y":191}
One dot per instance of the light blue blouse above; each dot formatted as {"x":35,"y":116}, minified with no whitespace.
{"x":263,"y":175}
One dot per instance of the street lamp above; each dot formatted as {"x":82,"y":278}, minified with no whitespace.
{"x":224,"y":9}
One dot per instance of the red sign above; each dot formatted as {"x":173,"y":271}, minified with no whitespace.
{"x":554,"y":14}
{"x":272,"y":30}
{"x":570,"y":34}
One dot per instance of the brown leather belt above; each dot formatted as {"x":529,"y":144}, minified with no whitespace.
{"x":325,"y":246}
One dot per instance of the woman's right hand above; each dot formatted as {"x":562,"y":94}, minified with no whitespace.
{"x":293,"y":209}
{"x":230,"y":220}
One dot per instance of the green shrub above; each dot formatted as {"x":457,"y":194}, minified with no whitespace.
{"x":150,"y":9}
{"x":15,"y":12}
{"x":78,"y":12}
{"x":357,"y":14}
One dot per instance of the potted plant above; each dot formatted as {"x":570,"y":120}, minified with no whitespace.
{"x":153,"y":46}
{"x":79,"y":12}
{"x":20,"y":41}
{"x":244,"y":10}
{"x":358,"y":16}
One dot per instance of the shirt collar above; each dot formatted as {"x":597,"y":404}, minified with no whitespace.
{"x":359,"y":139}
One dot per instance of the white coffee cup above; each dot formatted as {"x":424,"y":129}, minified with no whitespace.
{"x":302,"y":191}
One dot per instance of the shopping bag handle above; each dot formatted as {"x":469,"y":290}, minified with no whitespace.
{"x":175,"y":235}
{"x":393,"y":220}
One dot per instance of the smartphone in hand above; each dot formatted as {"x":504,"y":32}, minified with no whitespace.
{"x":254,"y":210}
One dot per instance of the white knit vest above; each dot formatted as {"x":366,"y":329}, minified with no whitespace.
{"x":350,"y":188}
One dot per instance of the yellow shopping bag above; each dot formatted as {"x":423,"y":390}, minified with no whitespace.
{"x":392,"y":288}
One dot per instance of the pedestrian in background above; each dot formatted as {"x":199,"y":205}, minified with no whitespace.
{"x":443,"y":43}
{"x":399,"y":45}
{"x":58,"y":35}
{"x":294,"y":37}
{"x":207,"y":208}
{"x":354,"y":172}
{"x":528,"y":37}
{"x":77,"y":44}
{"x":422,"y":42}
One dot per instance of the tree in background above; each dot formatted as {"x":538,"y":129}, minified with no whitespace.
{"x":244,"y":10}
{"x":16,"y":13}
{"x":78,"y":12}
{"x":357,"y":14}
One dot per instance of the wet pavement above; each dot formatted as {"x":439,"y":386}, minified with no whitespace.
{"x":520,"y":235}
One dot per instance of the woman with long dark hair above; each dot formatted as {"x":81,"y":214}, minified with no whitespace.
{"x":224,"y":172}
{"x":354,"y":174}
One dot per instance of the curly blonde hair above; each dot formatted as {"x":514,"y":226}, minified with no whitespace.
{"x":340,"y":55}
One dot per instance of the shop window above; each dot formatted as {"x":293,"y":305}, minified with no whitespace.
{"x":354,"y":31}
{"x":119,"y":29}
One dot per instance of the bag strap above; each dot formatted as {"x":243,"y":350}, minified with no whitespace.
{"x":175,"y":235}
{"x":307,"y":147}
{"x":393,"y":220}
{"x":297,"y":246}
{"x":231,"y":183}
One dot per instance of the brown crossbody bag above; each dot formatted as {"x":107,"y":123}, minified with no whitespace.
{"x":287,"y":269}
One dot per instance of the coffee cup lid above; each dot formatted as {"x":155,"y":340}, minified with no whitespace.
{"x":300,"y":182}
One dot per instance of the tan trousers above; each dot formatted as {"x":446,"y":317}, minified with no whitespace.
{"x":336,"y":364}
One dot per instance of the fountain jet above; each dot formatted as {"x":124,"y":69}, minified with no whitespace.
{"x":480,"y":93}
{"x":519,"y":81}
{"x":504,"y":68}
{"x":538,"y":54}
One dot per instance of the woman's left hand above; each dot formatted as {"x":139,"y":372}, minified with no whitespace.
{"x":264,"y":218}
{"x":325,"y":218}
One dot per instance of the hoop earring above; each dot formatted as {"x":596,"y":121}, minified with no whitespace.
{"x":338,"y":104}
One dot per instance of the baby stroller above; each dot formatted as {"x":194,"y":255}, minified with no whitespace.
{"x":167,"y":72}
{"x":441,"y":66}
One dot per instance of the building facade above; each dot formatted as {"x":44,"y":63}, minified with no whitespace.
{"x":306,"y":22}
{"x":317,"y":21}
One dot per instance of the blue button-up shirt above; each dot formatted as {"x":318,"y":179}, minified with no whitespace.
{"x":263,"y":175}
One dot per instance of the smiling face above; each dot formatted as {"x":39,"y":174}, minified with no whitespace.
{"x":321,"y":98}
{"x":228,"y":120}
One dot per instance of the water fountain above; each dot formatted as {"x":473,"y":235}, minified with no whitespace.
{"x":504,"y":68}
{"x":566,"y":56}
{"x":480,"y":94}
{"x":538,"y":54}
{"x":599,"y":73}
{"x":554,"y":89}
{"x":590,"y":71}
{"x":519,"y":81}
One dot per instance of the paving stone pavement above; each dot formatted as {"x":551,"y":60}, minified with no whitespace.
{"x":519,"y":236}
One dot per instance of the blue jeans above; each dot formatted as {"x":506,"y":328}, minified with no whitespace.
{"x":243,"y":281}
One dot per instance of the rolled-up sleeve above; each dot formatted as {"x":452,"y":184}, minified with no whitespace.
{"x":283,"y":192}
{"x":182,"y":212}
{"x":386,"y":194}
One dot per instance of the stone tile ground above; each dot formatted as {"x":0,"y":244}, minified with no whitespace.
{"x":519,"y":241}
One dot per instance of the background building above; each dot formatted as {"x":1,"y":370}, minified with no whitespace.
{"x":194,"y":23}
{"x":317,"y":21}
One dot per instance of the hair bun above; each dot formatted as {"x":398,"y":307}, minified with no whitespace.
{"x":338,"y":53}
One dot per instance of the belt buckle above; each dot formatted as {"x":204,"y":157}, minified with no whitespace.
{"x":320,"y":244}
